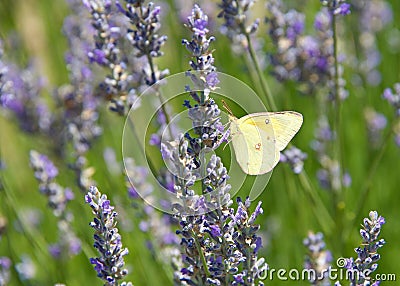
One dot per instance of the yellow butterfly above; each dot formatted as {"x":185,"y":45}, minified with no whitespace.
{"x":258,"y":138}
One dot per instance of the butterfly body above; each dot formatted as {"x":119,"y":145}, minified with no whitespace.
{"x":258,"y":138}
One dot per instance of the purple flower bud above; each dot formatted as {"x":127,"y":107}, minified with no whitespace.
{"x":258,"y":244}
{"x":344,"y":9}
{"x":5,"y":262}
{"x":215,"y":231}
{"x":212,"y":79}
{"x":155,"y":140}
{"x":109,"y":265}
{"x":98,"y":56}
{"x":55,"y":250}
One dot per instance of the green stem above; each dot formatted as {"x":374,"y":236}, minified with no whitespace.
{"x":158,"y":94}
{"x":264,"y":85}
{"x":324,"y":218}
{"x":337,"y":145}
{"x":153,"y":77}
{"x":337,"y":148}
{"x":148,"y":160}
{"x":371,"y":173}
{"x":203,"y":259}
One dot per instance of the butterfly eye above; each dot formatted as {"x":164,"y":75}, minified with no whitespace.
{"x":267,"y":121}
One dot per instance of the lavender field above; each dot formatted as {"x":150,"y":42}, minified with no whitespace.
{"x":126,"y":159}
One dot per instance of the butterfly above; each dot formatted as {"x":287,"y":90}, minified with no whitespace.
{"x":258,"y":138}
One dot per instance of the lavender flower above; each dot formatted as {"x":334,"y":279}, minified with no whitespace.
{"x":205,"y":114}
{"x":295,"y":157}
{"x":318,"y":259}
{"x":26,"y":269}
{"x":298,"y":57}
{"x":199,"y":45}
{"x":113,"y":166}
{"x":58,"y":197}
{"x":5,"y":264}
{"x":80,"y":117}
{"x":45,"y":173}
{"x":329,"y":175}
{"x":376,"y":123}
{"x":136,"y":177}
{"x":367,"y":256}
{"x":393,"y":97}
{"x":374,"y":16}
{"x":163,"y":242}
{"x":343,"y":9}
{"x":162,"y":124}
{"x":241,"y":31}
{"x":307,"y":59}
{"x":337,"y":6}
{"x":144,"y":36}
{"x":235,"y":14}
{"x":336,"y":82}
{"x":107,"y":53}
{"x":220,"y":246}
{"x":110,"y":265}
{"x":20,"y":93}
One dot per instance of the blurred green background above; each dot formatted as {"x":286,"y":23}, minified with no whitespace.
{"x":289,"y":211}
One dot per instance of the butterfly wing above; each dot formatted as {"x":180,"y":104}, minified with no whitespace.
{"x":285,"y":124}
{"x":254,"y":147}
{"x":258,"y":139}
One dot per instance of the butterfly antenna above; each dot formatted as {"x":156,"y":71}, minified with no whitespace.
{"x":227,"y":107}
{"x":227,"y":143}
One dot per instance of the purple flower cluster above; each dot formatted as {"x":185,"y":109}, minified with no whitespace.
{"x":110,"y":265}
{"x":78,"y":121}
{"x":393,"y":97}
{"x":109,"y":28}
{"x":306,"y":59}
{"x":20,"y":93}
{"x":295,"y":158}
{"x":298,"y":57}
{"x":367,"y":257}
{"x":5,"y":264}
{"x":144,"y":37}
{"x":26,"y":269}
{"x":221,"y":247}
{"x":236,"y":26}
{"x":163,"y":242}
{"x":45,"y":173}
{"x":165,"y":130}
{"x":373,"y":17}
{"x":376,"y":123}
{"x":182,"y":162}
{"x":205,"y":115}
{"x":329,"y":175}
{"x":338,"y":7}
{"x":199,"y":45}
{"x":318,"y":258}
{"x":58,"y":197}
